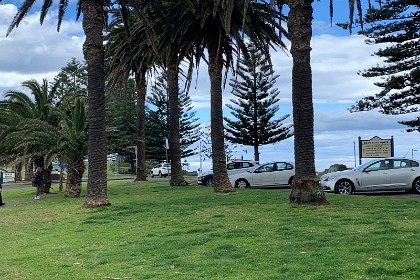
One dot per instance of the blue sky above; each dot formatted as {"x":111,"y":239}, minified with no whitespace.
{"x":35,"y":52}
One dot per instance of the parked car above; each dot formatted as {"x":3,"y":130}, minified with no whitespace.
{"x":387,"y":174}
{"x":271,"y":174}
{"x":161,"y":170}
{"x":234,"y":166}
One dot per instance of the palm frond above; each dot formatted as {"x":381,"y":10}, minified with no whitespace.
{"x":44,"y":10}
{"x":360,"y":12}
{"x":351,"y":14}
{"x":21,"y":13}
{"x":62,"y":7}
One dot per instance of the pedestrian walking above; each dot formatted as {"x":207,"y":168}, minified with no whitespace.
{"x":37,"y":181}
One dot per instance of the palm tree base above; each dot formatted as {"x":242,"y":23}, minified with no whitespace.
{"x":95,"y":203}
{"x":225,"y":190}
{"x":72,"y":194}
{"x":140,"y":178}
{"x":307,"y":192}
{"x":178,"y":183}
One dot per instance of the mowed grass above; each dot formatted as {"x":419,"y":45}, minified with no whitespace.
{"x":154,"y":231}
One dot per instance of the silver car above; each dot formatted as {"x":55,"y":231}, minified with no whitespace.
{"x":387,"y":174}
{"x":271,"y":174}
{"x":234,"y":166}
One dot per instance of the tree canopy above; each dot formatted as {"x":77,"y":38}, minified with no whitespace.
{"x":255,"y":107}
{"x":157,"y":124}
{"x":396,"y":26}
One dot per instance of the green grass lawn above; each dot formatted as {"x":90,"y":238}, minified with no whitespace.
{"x":154,"y":231}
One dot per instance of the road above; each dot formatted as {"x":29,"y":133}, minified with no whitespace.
{"x":21,"y":185}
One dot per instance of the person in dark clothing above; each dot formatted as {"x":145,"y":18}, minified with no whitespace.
{"x":1,"y":199}
{"x":38,"y":181}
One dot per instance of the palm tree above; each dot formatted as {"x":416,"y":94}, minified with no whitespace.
{"x":306,"y":188}
{"x":66,"y":140}
{"x":172,"y":72}
{"x":205,"y":21}
{"x":94,"y":14}
{"x":21,"y":110}
{"x":128,"y":51}
{"x":172,"y":50}
{"x":71,"y":145}
{"x":93,"y":24}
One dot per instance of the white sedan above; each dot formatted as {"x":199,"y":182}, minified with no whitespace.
{"x":387,"y":174}
{"x":271,"y":174}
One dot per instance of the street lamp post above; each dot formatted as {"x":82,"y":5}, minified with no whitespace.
{"x":412,"y":153}
{"x":354,"y":153}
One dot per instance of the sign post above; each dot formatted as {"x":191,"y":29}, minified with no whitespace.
{"x":166,"y":149}
{"x":376,"y":148}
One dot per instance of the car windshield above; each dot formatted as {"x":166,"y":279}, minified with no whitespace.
{"x":362,"y":166}
{"x":252,"y":169}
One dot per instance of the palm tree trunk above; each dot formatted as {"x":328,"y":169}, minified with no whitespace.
{"x":75,"y":172}
{"x":93,"y":50}
{"x":306,"y":188}
{"x":46,"y":179}
{"x":141,"y":85}
{"x":221,"y":179}
{"x":46,"y":174}
{"x":60,"y":183}
{"x":18,"y":170}
{"x":28,"y":170}
{"x":177,"y":179}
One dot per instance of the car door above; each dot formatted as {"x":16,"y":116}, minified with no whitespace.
{"x":282,"y":173}
{"x":263,"y":176}
{"x":403,"y":173}
{"x":155,"y":170}
{"x":376,"y":176}
{"x":235,"y":167}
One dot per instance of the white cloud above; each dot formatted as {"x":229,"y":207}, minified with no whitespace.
{"x":32,"y":51}
{"x":338,"y":120}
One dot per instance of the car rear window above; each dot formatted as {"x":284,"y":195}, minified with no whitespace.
{"x":414,"y":163}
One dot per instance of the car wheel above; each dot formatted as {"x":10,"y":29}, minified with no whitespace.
{"x":160,"y":174}
{"x":209,"y":182}
{"x":416,"y":185}
{"x":242,"y":184}
{"x":344,"y":187}
{"x":153,"y":175}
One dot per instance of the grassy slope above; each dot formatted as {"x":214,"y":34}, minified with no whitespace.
{"x":153,"y":231}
